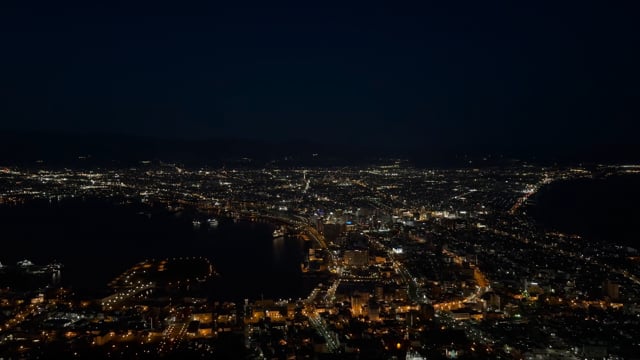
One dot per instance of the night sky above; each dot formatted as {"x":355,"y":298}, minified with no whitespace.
{"x":395,"y":73}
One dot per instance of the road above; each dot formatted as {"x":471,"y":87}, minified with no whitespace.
{"x":117,"y":299}
{"x":31,"y":310}
{"x":320,"y":325}
{"x":172,"y":337}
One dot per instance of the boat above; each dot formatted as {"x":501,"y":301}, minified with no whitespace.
{"x":213,"y":222}
{"x":278,"y":232}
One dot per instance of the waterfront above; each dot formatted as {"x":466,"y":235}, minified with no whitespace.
{"x":601,"y":208}
{"x":97,"y":240}
{"x":413,"y":255}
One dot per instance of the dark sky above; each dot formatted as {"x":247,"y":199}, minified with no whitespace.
{"x":400,"y":73}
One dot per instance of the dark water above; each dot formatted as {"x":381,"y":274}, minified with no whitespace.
{"x":604,"y":209}
{"x":97,"y":240}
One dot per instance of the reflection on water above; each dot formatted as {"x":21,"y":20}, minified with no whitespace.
{"x":278,"y":248}
{"x":603,"y":209}
{"x":254,"y":264}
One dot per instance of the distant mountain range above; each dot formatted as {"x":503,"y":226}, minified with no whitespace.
{"x":30,"y":148}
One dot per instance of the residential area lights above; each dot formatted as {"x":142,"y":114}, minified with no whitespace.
{"x":410,"y":263}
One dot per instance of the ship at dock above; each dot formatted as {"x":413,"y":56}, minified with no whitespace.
{"x":279,"y":232}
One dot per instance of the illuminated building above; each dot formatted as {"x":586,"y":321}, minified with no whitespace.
{"x":356,"y":257}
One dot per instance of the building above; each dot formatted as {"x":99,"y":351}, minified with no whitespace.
{"x":356,"y":257}
{"x":611,"y":290}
